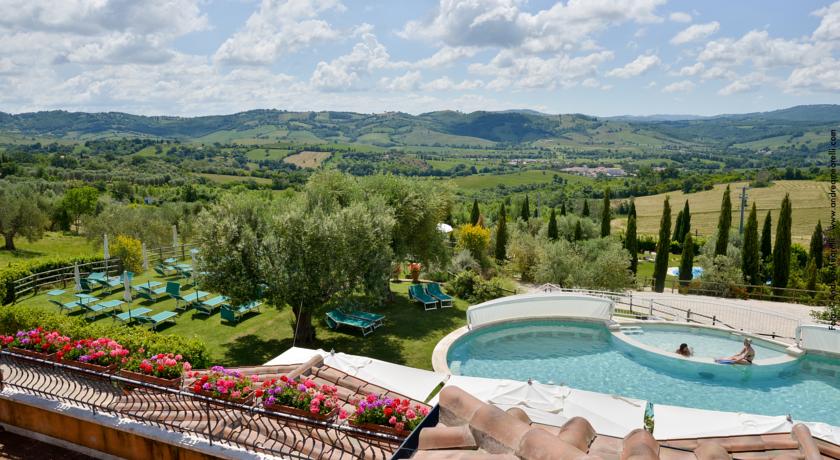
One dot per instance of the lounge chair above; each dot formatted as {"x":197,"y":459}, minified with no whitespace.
{"x":165,"y":270}
{"x":374,"y":318}
{"x":67,"y":306}
{"x":434,"y":290}
{"x":337,"y":318}
{"x":87,"y":285}
{"x":158,"y":319}
{"x":417,"y":293}
{"x":134,"y":313}
{"x":209,"y":306}
{"x":152,"y":294}
{"x":188,"y":299}
{"x":235,"y":314}
{"x":101,"y":308}
{"x":109,"y":283}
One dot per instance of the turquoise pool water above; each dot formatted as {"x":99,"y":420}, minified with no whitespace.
{"x":705,"y":342}
{"x":587,"y":356}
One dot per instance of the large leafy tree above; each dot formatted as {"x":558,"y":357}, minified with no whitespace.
{"x":631,"y":243}
{"x":663,"y":246}
{"x":816,"y":253}
{"x":78,"y":202}
{"x":750,"y":256}
{"x":781,"y":248}
{"x":501,"y":235}
{"x":606,"y":215}
{"x":724,"y":223}
{"x":21,"y":214}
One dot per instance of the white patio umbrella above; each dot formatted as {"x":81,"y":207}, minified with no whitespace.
{"x":105,"y":253}
{"x":127,"y":290}
{"x":77,"y":278}
{"x":444,"y":227}
{"x":145,"y":257}
{"x":174,"y":236}
{"x":194,"y":267}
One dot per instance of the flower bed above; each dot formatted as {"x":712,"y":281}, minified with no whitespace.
{"x":163,"y":369}
{"x":225,"y":384}
{"x":303,"y":398}
{"x":102,"y":354}
{"x":388,"y":415}
{"x":37,"y":343}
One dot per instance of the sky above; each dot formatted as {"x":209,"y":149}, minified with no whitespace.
{"x":598,"y":57}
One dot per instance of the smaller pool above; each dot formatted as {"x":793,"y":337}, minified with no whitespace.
{"x":706,"y":343}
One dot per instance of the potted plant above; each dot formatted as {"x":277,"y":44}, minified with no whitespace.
{"x":101,"y":355}
{"x":162,"y":369}
{"x":226,"y":384}
{"x":36,"y":343}
{"x":303,"y":398}
{"x":414,"y":270}
{"x":387,"y":415}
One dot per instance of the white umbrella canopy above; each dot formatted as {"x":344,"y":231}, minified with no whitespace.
{"x":174,"y":236}
{"x":105,"y":251}
{"x":444,"y":228}
{"x":145,"y":257}
{"x":126,"y":289}
{"x":77,"y":278}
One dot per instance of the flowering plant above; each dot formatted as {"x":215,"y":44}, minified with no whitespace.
{"x":163,"y":365}
{"x":396,"y":413}
{"x":102,"y":351}
{"x":224,"y":383}
{"x":37,"y":340}
{"x":305,"y":395}
{"x":414,"y":269}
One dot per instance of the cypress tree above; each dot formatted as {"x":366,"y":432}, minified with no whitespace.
{"x":501,"y":235}
{"x":606,"y":215}
{"x":585,"y":212}
{"x":724,"y":222}
{"x":632,"y":211}
{"x":811,"y":272}
{"x":526,"y":210}
{"x":578,"y":232}
{"x":552,"y":226}
{"x":750,"y":256}
{"x":817,"y":246}
{"x":687,"y":260}
{"x":678,"y":227}
{"x":563,"y":208}
{"x":632,"y":244}
{"x":686,"y":221}
{"x":663,"y":247}
{"x":766,"y":235}
{"x":475,"y":213}
{"x":781,"y":248}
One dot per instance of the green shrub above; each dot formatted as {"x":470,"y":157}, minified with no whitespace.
{"x":472,"y":287}
{"x":9,"y":275}
{"x":20,"y":317}
{"x":130,"y":252}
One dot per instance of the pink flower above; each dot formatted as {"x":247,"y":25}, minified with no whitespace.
{"x":399,"y":426}
{"x":392,"y":420}
{"x":342,"y":414}
{"x":410,"y":414}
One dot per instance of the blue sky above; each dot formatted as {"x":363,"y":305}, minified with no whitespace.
{"x":600,"y":57}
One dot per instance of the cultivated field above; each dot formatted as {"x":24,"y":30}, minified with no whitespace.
{"x":226,"y":179}
{"x":307,"y":159}
{"x":809,"y":199}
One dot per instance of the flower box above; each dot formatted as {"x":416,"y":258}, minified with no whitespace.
{"x":244,"y":400}
{"x":109,"y":369}
{"x":301,"y":413}
{"x":377,"y":428}
{"x":151,"y":379}
{"x":33,"y":353}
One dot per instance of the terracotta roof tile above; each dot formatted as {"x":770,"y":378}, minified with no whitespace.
{"x":710,"y":450}
{"x":461,"y":455}
{"x":577,"y":432}
{"x":807,"y":445}
{"x":497,"y":431}
{"x":456,"y":437}
{"x":539,"y":444}
{"x":457,"y":407}
{"x":519,"y":414}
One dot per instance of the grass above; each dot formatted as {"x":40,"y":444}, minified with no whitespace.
{"x":54,"y":244}
{"x":307,"y":159}
{"x":408,"y":336}
{"x":267,"y":154}
{"x":227,"y":179}
{"x":809,"y":198}
{"x":479,"y":182}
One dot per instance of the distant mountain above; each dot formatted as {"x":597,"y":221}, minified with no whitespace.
{"x":656,"y":117}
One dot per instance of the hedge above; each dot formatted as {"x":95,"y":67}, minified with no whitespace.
{"x":14,"y":318}
{"x":9,"y":275}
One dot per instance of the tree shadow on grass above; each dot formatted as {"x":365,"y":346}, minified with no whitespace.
{"x":252,"y":350}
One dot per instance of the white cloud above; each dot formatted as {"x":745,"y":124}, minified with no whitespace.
{"x":823,"y":77}
{"x":513,"y":69}
{"x":680,"y":16}
{"x":829,"y":28}
{"x":762,"y":51}
{"x":344,"y":72}
{"x":637,"y":67}
{"x":446,"y":56}
{"x":447,"y":84}
{"x":744,"y":84}
{"x":679,"y":87}
{"x":695,"y":32}
{"x":691,"y":70}
{"x":278,"y":27}
{"x":409,"y":81}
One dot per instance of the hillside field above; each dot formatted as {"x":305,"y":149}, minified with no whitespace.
{"x":307,"y":159}
{"x":809,"y":198}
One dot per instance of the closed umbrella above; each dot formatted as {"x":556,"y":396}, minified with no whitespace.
{"x":105,"y":253}
{"x":145,"y":258}
{"x":174,"y":236}
{"x":77,"y":278}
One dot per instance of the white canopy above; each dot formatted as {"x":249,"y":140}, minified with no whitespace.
{"x":818,"y":337}
{"x":295,"y":355}
{"x":444,"y":228}
{"x":554,"y":405}
{"x":673,"y":422}
{"x":540,"y":305}
{"x":824,"y":431}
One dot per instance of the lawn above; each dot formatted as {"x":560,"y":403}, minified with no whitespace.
{"x":54,"y":244}
{"x":408,"y":336}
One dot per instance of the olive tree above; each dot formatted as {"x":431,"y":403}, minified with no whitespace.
{"x":21,"y":214}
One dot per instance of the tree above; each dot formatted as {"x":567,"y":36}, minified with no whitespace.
{"x":816,"y":252}
{"x":678,"y":227}
{"x":632,"y":211}
{"x":724,"y":222}
{"x":631,"y":243}
{"x":606,"y":216}
{"x":600,"y":263}
{"x":766,"y":238}
{"x":781,"y":248}
{"x":79,"y":202}
{"x":501,"y":235}
{"x":578,"y":235}
{"x":663,"y":247}
{"x":585,"y":211}
{"x":129,"y":250}
{"x":476,"y":214}
{"x":474,"y":239}
{"x":552,"y":226}
{"x":687,"y":260}
{"x":20,"y":214}
{"x":563,"y":208}
{"x":686,"y":221}
{"x":750,"y":256}
{"x":525,"y":213}
{"x":811,"y":273}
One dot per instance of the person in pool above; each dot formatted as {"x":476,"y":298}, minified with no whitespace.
{"x":684,"y":350}
{"x":746,"y":355}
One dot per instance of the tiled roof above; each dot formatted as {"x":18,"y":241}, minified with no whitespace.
{"x":471,"y":429}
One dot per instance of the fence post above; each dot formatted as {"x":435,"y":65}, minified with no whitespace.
{"x":688,"y":316}
{"x":183,"y":253}
{"x":714,"y":320}
{"x":651,"y":307}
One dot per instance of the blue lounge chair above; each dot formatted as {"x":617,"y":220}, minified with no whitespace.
{"x":133,"y":314}
{"x":209,"y":306}
{"x":152,"y":294}
{"x":235,"y":314}
{"x":417,"y":293}
{"x":87,"y":285}
{"x":434,"y":290}
{"x":188,"y":299}
{"x":374,"y":318}
{"x":67,"y":306}
{"x":158,"y":319}
{"x":336,"y":318}
{"x":101,"y":308}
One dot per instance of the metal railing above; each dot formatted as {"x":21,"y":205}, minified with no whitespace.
{"x":218,"y":422}
{"x":743,"y":291}
{"x":723,"y":314}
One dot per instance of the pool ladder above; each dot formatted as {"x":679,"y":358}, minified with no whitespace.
{"x":632,"y":330}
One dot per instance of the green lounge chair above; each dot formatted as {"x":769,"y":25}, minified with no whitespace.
{"x":87,"y":285}
{"x":374,"y":318}
{"x":336,"y":318}
{"x":417,"y":293}
{"x":209,"y":306}
{"x":101,"y":308}
{"x":158,"y":319}
{"x":152,"y":294}
{"x":67,"y":306}
{"x":235,"y":314}
{"x":134,"y":313}
{"x":189,"y":299}
{"x":434,"y":290}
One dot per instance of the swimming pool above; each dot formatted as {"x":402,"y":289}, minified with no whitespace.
{"x":587,"y":356}
{"x":705,"y":342}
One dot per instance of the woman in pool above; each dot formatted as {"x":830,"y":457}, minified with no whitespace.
{"x":684,"y":350}
{"x":746,"y":355}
